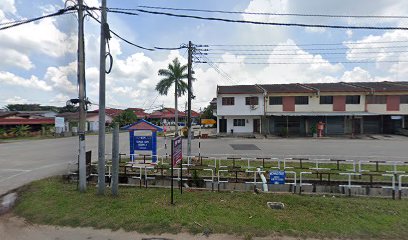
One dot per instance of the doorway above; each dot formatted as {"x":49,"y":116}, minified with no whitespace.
{"x":223,"y":125}
{"x":257,"y":126}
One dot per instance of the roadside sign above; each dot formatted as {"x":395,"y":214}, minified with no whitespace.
{"x":59,"y":122}
{"x":143,"y":143}
{"x":176,"y":158}
{"x":277,"y":177}
{"x":177,"y":150}
{"x":208,"y":121}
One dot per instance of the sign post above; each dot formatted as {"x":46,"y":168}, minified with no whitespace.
{"x":143,"y":143}
{"x":277,"y":177}
{"x":176,"y":157}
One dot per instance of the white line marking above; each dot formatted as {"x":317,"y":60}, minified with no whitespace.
{"x":13,"y":170}
{"x":39,"y":168}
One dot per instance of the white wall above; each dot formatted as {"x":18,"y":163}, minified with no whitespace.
{"x":239,"y":108}
{"x":248,"y":128}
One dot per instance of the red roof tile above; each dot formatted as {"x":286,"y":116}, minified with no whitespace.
{"x":27,"y":121}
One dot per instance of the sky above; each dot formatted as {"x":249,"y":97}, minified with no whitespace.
{"x":38,"y":62}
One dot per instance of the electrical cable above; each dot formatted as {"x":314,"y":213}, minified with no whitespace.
{"x":267,"y":23}
{"x":295,"y":54}
{"x":121,"y":38}
{"x":303,"y":63}
{"x":58,"y":13}
{"x":265,"y":13}
{"x":304,"y":44}
{"x":304,"y":49}
{"x":131,"y":43}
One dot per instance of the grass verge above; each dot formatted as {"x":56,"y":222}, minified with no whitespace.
{"x":52,"y":202}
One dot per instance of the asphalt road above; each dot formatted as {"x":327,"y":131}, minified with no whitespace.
{"x":24,"y":161}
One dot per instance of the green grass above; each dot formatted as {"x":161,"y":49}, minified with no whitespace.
{"x":52,"y":202}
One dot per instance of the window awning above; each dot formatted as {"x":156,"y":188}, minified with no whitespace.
{"x":300,"y":114}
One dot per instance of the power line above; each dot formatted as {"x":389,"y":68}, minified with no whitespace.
{"x":264,"y":13}
{"x":266,"y":23}
{"x":118,"y":36}
{"x":63,"y":11}
{"x":129,"y":42}
{"x":217,"y":69}
{"x":305,"y":49}
{"x":302,"y":44}
{"x":296,"y":54}
{"x":303,"y":63}
{"x":295,"y":58}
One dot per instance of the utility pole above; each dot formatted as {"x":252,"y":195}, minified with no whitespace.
{"x":190,"y":78}
{"x":81,"y":98}
{"x":102,"y":69}
{"x":115,"y":159}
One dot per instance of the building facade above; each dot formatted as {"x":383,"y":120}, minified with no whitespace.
{"x":295,"y":109}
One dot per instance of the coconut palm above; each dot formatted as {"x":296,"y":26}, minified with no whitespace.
{"x":174,"y":74}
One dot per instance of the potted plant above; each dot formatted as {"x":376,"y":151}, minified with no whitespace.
{"x":313,"y":130}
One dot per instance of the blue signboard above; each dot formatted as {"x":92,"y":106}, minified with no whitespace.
{"x":277,"y":177}
{"x":143,"y":143}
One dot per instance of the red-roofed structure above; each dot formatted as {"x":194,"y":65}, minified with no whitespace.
{"x":166,"y":113}
{"x":139,"y":112}
{"x":26,"y":121}
{"x":112,"y":112}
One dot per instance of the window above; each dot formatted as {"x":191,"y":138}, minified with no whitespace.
{"x":228,"y":101}
{"x":404,"y":99}
{"x":239,"y":122}
{"x":275,"y":100}
{"x":326,"y":99}
{"x":355,"y":99}
{"x":372,"y":99}
{"x":301,"y":100}
{"x":251,"y":101}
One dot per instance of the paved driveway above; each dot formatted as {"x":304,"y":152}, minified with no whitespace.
{"x":25,"y":161}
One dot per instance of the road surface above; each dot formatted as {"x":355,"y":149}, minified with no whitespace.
{"x":24,"y":161}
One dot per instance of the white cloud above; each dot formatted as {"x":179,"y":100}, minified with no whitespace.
{"x":60,"y":77}
{"x":358,"y":74}
{"x":16,"y":100}
{"x":60,"y":99}
{"x":349,"y":33}
{"x":32,"y":82}
{"x":271,"y":6}
{"x":12,"y":57}
{"x":8,"y":6}
{"x":42,"y":37}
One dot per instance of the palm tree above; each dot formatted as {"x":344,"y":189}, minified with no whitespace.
{"x":175,"y":73}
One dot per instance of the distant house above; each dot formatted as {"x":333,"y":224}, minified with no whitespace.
{"x":92,"y":121}
{"x":166,"y":115}
{"x":33,"y":119}
{"x":139,"y":112}
{"x":111,"y":112}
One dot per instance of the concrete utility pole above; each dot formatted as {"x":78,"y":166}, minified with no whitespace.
{"x":102,"y":69}
{"x":176,"y":106}
{"x":115,"y":159}
{"x":81,"y":98}
{"x":190,"y":78}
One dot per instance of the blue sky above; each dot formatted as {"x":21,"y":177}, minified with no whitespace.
{"x":39,"y":59}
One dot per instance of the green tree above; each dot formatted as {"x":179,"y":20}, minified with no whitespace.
{"x":208,"y":113}
{"x":125,"y":118}
{"x":20,"y":130}
{"x":174,"y":74}
{"x":31,"y":107}
{"x":69,"y":108}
